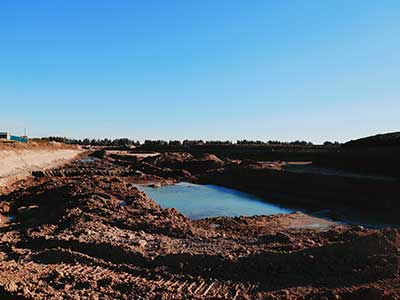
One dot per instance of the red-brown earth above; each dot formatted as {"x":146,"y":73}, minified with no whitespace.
{"x":85,"y":231}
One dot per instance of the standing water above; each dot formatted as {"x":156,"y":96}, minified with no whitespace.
{"x":202,"y":201}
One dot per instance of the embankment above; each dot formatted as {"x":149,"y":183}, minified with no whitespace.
{"x":18,"y":163}
{"x":312,"y":191}
{"x":91,"y":234}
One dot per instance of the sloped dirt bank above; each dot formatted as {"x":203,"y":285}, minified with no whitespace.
{"x":18,"y":163}
{"x":94,"y":235}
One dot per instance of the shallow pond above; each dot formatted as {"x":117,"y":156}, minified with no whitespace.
{"x":202,"y":201}
{"x":88,"y":159}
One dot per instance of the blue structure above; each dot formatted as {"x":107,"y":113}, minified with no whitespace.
{"x":18,"y":139}
{"x":14,"y":138}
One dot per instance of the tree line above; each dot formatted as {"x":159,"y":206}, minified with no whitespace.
{"x":93,"y":142}
{"x":129,"y":142}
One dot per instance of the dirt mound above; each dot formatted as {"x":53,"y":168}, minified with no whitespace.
{"x":88,"y":235}
{"x":212,"y":158}
{"x":18,"y":163}
{"x":169,"y":158}
{"x":186,"y":162}
{"x":379,"y":140}
{"x":35,"y":145}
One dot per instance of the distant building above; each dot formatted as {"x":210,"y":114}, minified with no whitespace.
{"x":13,"y":138}
{"x":5,"y":135}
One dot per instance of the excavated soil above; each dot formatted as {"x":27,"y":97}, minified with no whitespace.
{"x":86,"y":232}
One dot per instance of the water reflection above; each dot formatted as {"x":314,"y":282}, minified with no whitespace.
{"x":201,"y":201}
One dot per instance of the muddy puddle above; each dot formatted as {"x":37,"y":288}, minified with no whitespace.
{"x":203,"y":201}
{"x":88,"y":159}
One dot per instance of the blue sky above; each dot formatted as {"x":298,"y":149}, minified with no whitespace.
{"x":210,"y":69}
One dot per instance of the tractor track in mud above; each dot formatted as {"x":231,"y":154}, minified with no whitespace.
{"x":85,"y":231}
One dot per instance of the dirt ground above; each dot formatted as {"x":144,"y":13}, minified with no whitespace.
{"x":84,"y":231}
{"x":18,"y":160}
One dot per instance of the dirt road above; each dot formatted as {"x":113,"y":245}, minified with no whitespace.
{"x":18,"y":163}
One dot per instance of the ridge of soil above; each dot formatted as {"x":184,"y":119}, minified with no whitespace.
{"x":84,"y":231}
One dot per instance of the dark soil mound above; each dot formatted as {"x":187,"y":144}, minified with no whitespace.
{"x":379,"y":140}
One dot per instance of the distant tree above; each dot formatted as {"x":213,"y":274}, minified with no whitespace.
{"x":301,"y":143}
{"x":94,"y":142}
{"x":246,"y":142}
{"x":155,"y":142}
{"x":218,"y":142}
{"x":175,"y":143}
{"x":192,"y":142}
{"x":329,"y":143}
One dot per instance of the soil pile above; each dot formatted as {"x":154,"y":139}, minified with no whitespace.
{"x":91,"y":234}
{"x":170,"y":158}
{"x":187,"y":162}
{"x":18,"y":160}
{"x":379,"y":140}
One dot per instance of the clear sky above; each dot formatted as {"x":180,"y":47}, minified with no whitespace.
{"x":205,"y":69}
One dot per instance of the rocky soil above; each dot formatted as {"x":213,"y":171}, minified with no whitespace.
{"x":85,"y":231}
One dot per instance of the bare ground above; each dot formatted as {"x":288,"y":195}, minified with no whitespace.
{"x":18,"y":160}
{"x":85,"y":232}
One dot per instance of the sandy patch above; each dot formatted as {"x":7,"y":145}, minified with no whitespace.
{"x":15,"y":165}
{"x":138,"y":155}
